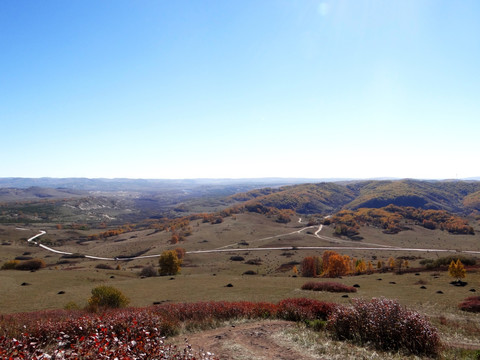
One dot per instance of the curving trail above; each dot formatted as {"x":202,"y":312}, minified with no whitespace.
{"x":373,"y":246}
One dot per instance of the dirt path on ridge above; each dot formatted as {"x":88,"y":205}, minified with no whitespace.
{"x":250,"y":341}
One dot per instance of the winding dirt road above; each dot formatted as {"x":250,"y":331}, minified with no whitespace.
{"x":366,"y":246}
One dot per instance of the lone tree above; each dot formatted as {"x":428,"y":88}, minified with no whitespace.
{"x":169,"y":263}
{"x":457,"y":270}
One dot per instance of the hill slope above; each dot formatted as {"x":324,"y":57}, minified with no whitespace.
{"x":304,"y":198}
{"x":453,"y":196}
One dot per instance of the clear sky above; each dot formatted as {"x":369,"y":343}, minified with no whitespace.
{"x":240,"y":88}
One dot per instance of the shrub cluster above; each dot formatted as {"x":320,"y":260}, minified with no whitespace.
{"x":446,"y":260}
{"x":328,"y":286}
{"x":304,"y":309}
{"x":471,"y":304}
{"x":385,"y":324}
{"x":103,"y":266}
{"x":106,"y":297}
{"x":139,"y":332}
{"x":10,"y":265}
{"x":32,"y":264}
{"x":134,"y":332}
{"x":148,"y":271}
{"x":121,"y":334}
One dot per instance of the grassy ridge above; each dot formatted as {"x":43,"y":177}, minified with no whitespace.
{"x":453,"y":196}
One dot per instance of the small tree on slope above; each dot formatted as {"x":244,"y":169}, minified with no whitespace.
{"x":169,"y":263}
{"x":457,"y":270}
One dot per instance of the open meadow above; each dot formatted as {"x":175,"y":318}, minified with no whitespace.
{"x":246,"y":257}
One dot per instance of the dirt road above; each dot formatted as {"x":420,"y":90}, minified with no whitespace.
{"x":250,"y":341}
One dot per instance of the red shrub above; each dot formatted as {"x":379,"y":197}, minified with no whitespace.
{"x":385,"y":324}
{"x":304,"y":309}
{"x":471,"y":304}
{"x":328,"y":286}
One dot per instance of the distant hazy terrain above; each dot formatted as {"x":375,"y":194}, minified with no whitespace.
{"x":124,"y":200}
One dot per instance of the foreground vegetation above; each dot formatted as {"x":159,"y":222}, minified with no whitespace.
{"x":141,"y":332}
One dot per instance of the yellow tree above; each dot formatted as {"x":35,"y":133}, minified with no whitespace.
{"x":380,"y":265}
{"x":169,"y":263}
{"x":391,"y":263}
{"x":326,"y":257}
{"x":369,"y":268}
{"x":361,"y":267}
{"x":457,"y":270}
{"x":348,"y":265}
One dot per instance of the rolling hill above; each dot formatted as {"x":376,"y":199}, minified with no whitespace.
{"x":454,"y":196}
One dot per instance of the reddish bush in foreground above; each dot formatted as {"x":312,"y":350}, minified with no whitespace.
{"x":471,"y":304}
{"x":386,"y":325}
{"x":328,"y":286}
{"x":304,"y":309}
{"x":133,"y":333}
{"x":139,"y":333}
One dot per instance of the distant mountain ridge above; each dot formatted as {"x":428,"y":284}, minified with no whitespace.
{"x":157,"y":196}
{"x":119,"y":184}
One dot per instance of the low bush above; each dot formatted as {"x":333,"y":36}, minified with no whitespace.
{"x":445,"y":261}
{"x":64,"y":262}
{"x":254,"y":262}
{"x":302,"y":309}
{"x":10,"y":265}
{"x":328,"y":286}
{"x":106,"y":297}
{"x":71,"y":305}
{"x":104,"y":267}
{"x":237,"y":258}
{"x":34,"y":264}
{"x":148,"y":271}
{"x":23,"y":257}
{"x":386,"y":325}
{"x":471,"y":304}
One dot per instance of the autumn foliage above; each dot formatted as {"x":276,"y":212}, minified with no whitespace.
{"x":471,"y":304}
{"x":392,"y":218}
{"x":135,"y":333}
{"x":333,"y":264}
{"x":386,"y":325}
{"x":169,"y":263}
{"x":456,"y":270}
{"x":311,"y":266}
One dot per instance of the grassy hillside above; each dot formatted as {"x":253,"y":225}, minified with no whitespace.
{"x":453,"y":196}
{"x":304,"y":199}
{"x":446,"y":195}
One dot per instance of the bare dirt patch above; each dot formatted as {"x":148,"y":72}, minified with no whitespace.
{"x":252,"y":341}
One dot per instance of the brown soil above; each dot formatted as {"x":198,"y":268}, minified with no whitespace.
{"x":250,"y":341}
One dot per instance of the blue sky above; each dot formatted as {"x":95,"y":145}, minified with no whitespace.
{"x":235,"y":89}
